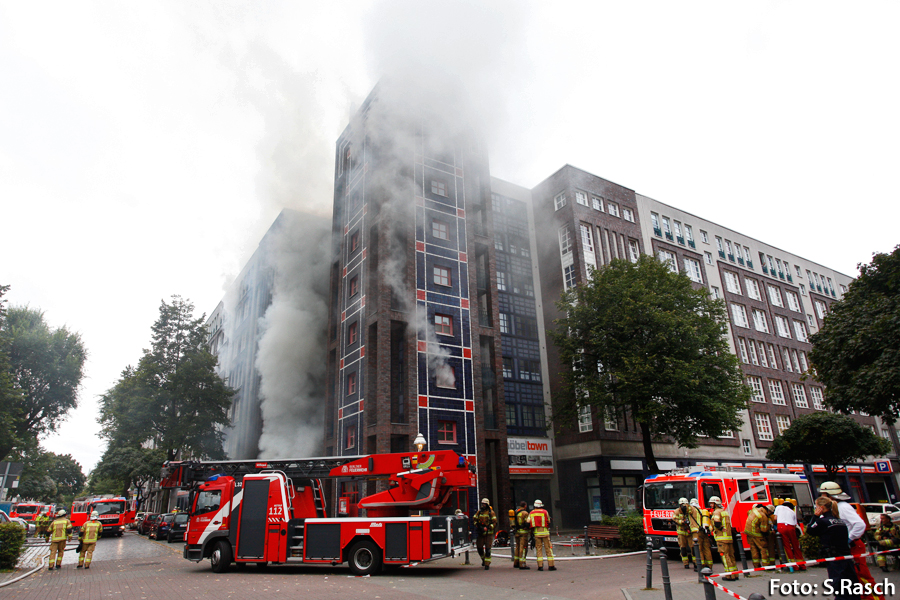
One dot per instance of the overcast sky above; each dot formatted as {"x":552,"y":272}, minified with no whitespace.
{"x":145,"y":147}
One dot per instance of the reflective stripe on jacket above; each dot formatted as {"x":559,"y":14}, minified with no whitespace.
{"x":90,"y":532}
{"x":60,"y":529}
{"x":721,"y":525}
{"x":687,"y":522}
{"x":757,"y":523}
{"x":540,"y":521}
{"x":522,"y":521}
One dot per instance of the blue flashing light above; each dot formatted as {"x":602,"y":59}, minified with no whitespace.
{"x":652,"y":477}
{"x":213,"y":478}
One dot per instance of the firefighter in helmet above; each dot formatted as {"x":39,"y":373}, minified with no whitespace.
{"x":40,"y":524}
{"x":721,"y":527}
{"x":485,"y":523}
{"x":60,"y":529}
{"x":703,"y":540}
{"x":523,"y":529}
{"x":540,"y":521}
{"x":887,"y":536}
{"x":687,"y":525}
{"x":756,"y":530}
{"x":88,"y":537}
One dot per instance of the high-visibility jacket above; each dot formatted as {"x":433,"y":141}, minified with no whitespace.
{"x":485,"y":521}
{"x":721,"y":522}
{"x":90,"y":532}
{"x":687,"y":522}
{"x":60,"y":529}
{"x":539,"y":519}
{"x":522,"y":525}
{"x":757,"y":522}
{"x":888,"y":537}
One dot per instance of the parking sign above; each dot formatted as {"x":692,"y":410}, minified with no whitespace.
{"x":883,"y":466}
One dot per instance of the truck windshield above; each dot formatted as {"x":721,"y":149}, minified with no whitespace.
{"x":208,"y":501}
{"x":24,"y":509}
{"x":109,"y":508}
{"x":666,"y":494}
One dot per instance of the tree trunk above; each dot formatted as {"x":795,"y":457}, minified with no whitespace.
{"x":647,"y":440}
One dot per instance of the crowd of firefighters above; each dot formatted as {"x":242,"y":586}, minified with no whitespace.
{"x":835,"y":522}
{"x":523,"y":523}
{"x":58,"y":531}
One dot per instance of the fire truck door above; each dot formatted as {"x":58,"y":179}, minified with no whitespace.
{"x":395,"y":542}
{"x":711,"y":489}
{"x":252,"y":531}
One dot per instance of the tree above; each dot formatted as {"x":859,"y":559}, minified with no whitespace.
{"x":49,"y":477}
{"x":828,"y":439}
{"x":131,"y":467}
{"x":10,"y":395}
{"x":46,"y":367}
{"x":174,"y":398}
{"x":856,"y":354}
{"x":642,"y":340}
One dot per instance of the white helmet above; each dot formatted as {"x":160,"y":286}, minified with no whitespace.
{"x":682,"y":501}
{"x":485,"y":501}
{"x":833,"y":490}
{"x":538,"y":504}
{"x":715,"y":500}
{"x":61,"y":512}
{"x":95,"y":515}
{"x":695,"y":503}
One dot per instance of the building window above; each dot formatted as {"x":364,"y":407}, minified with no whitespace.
{"x":742,"y":346}
{"x":786,"y":360}
{"x":351,"y":384}
{"x":654,"y":220}
{"x":715,"y":292}
{"x":745,"y":444}
{"x":676,"y":225}
{"x":752,"y":288}
{"x":442,"y":276}
{"x":772,"y":362}
{"x":783,"y":423}
{"x":739,"y":315}
{"x":440,"y":230}
{"x":504,"y":323}
{"x":445,"y":377}
{"x":560,"y":200}
{"x":720,"y":247}
{"x":507,"y":368}
{"x":757,"y":387}
{"x":817,"y":398}
{"x":843,"y":288}
{"x":704,"y":237}
{"x":351,"y":437}
{"x":443,"y":324}
{"x":810,"y":321}
{"x":501,"y":281}
{"x":692,"y":267}
{"x":689,"y":234}
{"x":354,"y":286}
{"x":612,"y":209}
{"x":763,"y":427}
{"x":565,"y":240}
{"x":782,"y":327}
{"x":587,"y":245}
{"x":821,"y":309}
{"x":799,"y":395}
{"x":753,"y":357}
{"x":439,"y":187}
{"x":762,"y":355}
{"x":628,"y":214}
{"x":352,"y":333}
{"x":569,"y":277}
{"x":446,"y":432}
{"x":581,"y":198}
{"x":584,"y":419}
{"x":597,"y":203}
{"x":747,"y":257}
{"x":776,"y":392}
{"x":804,"y":366}
{"x":530,"y":370}
{"x":795,"y":361}
{"x":354,"y":241}
{"x":775,"y":296}
{"x":707,"y":256}
{"x":759,"y":321}
{"x":793,"y":301}
{"x":634,"y":251}
{"x":802,"y":290}
{"x":668,"y":257}
{"x":610,"y":421}
{"x":800,"y":331}
{"x":732,"y":283}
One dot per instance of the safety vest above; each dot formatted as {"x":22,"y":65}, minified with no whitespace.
{"x":522,"y":526}
{"x":721,"y":522}
{"x":540,"y":520}
{"x":757,"y":523}
{"x":687,"y":522}
{"x":59,"y":529}
{"x":888,"y":537}
{"x":90,"y":532}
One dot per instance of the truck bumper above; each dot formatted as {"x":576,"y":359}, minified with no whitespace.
{"x":193,"y":552}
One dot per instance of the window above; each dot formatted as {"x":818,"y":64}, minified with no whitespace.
{"x":720,"y":247}
{"x":584,"y":419}
{"x":445,"y":377}
{"x":745,"y":444}
{"x":821,"y":309}
{"x":612,"y":209}
{"x":351,"y":437}
{"x":597,"y":203}
{"x":354,"y":241}
{"x":565,"y":240}
{"x":802,"y":290}
{"x":800,"y":331}
{"x":498,"y":242}
{"x":732,"y":283}
{"x":351,"y":384}
{"x":441,"y":276}
{"x":353,"y":333}
{"x":354,"y":286}
{"x":752,"y":288}
{"x":747,"y":257}
{"x":776,"y":392}
{"x":669,"y":257}
{"x":804,"y":366}
{"x":667,"y":228}
{"x":704,"y":237}
{"x":810,"y":321}
{"x":799,"y":395}
{"x":530,"y":370}
{"x":752,"y":347}
{"x":581,"y":198}
{"x":757,"y":387}
{"x":439,"y":187}
{"x":783,"y":422}
{"x":440,"y":230}
{"x":501,"y":281}
{"x":793,"y":301}
{"x":634,"y":251}
{"x":560,"y":200}
{"x":772,"y":362}
{"x":817,"y":398}
{"x":762,"y":355}
{"x":446,"y":432}
{"x":707,"y":257}
{"x":771,"y":265}
{"x":729,"y":251}
{"x":610,"y":422}
{"x":715,"y":292}
{"x":763,"y":427}
{"x":507,"y":368}
{"x":677,"y":226}
{"x":795,"y":361}
{"x":628,"y":214}
{"x":843,"y":288}
{"x":742,"y":346}
{"x":775,"y":295}
{"x":443,"y":324}
{"x":830,"y":285}
{"x":692,"y":268}
{"x":759,"y":321}
{"x":208,"y":501}
{"x":504,"y":323}
{"x":739,"y":315}
{"x":797,"y":268}
{"x":689,"y":233}
{"x":786,"y":360}
{"x":587,"y":245}
{"x":569,"y":277}
{"x":782,"y":327}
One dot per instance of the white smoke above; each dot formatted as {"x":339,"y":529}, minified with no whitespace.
{"x":291,"y":355}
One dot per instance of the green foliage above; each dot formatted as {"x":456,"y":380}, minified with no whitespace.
{"x":46,"y":367}
{"x":826,"y":438}
{"x":121,"y":467}
{"x":49,"y":477}
{"x":631,"y":532}
{"x":174,"y":397}
{"x":12,"y":537}
{"x":644,"y":342}
{"x":810,"y":546}
{"x":856,"y":354}
{"x":10,"y":395}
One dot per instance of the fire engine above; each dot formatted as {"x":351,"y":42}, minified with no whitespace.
{"x":26,"y":510}
{"x":739,"y":488}
{"x":113,"y":513}
{"x":274,"y":511}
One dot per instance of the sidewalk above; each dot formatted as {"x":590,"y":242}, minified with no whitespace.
{"x":33,"y":555}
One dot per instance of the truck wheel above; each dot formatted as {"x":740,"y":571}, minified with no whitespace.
{"x":364,"y":558}
{"x":220,"y":559}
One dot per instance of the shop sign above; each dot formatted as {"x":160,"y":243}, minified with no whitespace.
{"x":530,"y":456}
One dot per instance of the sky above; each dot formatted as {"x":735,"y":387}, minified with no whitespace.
{"x":146,"y":147}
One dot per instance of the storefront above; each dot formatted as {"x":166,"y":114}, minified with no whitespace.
{"x":531,"y":469}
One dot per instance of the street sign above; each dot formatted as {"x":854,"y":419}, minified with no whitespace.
{"x":883,"y":466}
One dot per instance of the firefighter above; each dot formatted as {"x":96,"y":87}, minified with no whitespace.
{"x":771,"y":539}
{"x":703,"y":540}
{"x":721,"y":525}
{"x":88,"y":540}
{"x":485,"y":523}
{"x":540,"y":521}
{"x":523,"y":529}
{"x":887,"y":536}
{"x":787,"y":527}
{"x":756,"y":531}
{"x":687,"y":525}
{"x":60,"y":529}
{"x":40,"y":526}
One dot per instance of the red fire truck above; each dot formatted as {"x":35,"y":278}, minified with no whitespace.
{"x":740,"y":488}
{"x":274,"y":511}
{"x":26,"y":510}
{"x":113,"y":513}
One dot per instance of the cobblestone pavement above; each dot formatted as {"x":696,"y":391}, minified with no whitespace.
{"x":135,"y":568}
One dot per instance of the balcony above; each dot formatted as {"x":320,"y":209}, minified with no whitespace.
{"x":669,"y":236}
{"x":740,"y":260}
{"x":657,"y":232}
{"x":750,"y":264}
{"x":765,"y":270}
{"x":780,"y":274}
{"x":731,"y":257}
{"x":721,"y":254}
{"x":680,"y":240}
{"x":692,"y":244}
{"x":789,"y":278}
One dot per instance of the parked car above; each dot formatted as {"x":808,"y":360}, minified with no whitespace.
{"x":5,"y":518}
{"x":146,"y":523}
{"x":178,"y":527}
{"x":161,"y":526}
{"x":137,"y":521}
{"x":874,"y":510}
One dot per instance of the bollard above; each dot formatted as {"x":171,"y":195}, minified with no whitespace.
{"x":649,"y":565}
{"x":664,"y":567}
{"x":756,"y":596}
{"x":709,"y":589}
{"x":467,"y":558}
{"x":740,"y":545}
{"x":587,"y":543}
{"x":697,"y":561}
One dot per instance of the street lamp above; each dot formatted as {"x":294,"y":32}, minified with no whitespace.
{"x":420,"y":442}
